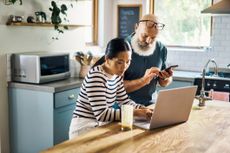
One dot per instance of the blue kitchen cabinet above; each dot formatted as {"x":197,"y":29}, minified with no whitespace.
{"x":39,"y":119}
{"x":64,"y":107}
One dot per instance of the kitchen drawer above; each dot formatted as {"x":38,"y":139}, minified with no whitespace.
{"x":66,"y":97}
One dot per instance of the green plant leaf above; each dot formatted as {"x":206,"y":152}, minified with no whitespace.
{"x":60,"y":31}
{"x":56,"y":19}
{"x":14,"y":1}
{"x":55,"y":26}
{"x":63,"y":7}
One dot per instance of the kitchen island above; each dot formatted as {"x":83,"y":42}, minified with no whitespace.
{"x":206,"y":131}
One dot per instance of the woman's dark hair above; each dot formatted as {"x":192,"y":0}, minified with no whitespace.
{"x":115,"y":46}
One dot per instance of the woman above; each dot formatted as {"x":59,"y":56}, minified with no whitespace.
{"x":101,"y":88}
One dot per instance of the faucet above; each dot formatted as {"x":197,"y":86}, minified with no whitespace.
{"x":202,"y":97}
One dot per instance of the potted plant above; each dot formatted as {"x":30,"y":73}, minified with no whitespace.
{"x":8,"y":2}
{"x":56,"y":19}
{"x":86,"y":61}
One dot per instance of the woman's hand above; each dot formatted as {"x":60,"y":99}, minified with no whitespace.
{"x":143,"y":113}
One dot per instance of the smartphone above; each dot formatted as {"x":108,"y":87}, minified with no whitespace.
{"x":172,"y":66}
{"x":167,"y":69}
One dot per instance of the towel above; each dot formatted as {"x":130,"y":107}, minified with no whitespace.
{"x":218,"y":95}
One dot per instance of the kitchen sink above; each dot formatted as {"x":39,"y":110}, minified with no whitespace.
{"x":220,"y":74}
{"x":225,"y":75}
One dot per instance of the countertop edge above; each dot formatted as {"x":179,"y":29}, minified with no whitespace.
{"x":52,"y":87}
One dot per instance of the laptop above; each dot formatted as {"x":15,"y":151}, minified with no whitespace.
{"x":172,"y":106}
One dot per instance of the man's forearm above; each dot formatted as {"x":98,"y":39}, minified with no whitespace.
{"x":133,"y":85}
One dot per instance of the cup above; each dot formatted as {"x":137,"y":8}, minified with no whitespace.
{"x":126,"y":117}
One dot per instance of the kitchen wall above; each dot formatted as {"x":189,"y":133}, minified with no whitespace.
{"x":3,"y":107}
{"x":108,"y":18}
{"x":27,"y":39}
{"x":105,"y":22}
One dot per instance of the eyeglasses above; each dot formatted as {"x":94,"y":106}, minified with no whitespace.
{"x":151,"y":24}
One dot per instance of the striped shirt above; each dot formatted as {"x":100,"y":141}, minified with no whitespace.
{"x":98,"y":94}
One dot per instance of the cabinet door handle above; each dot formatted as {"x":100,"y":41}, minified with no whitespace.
{"x":72,"y":96}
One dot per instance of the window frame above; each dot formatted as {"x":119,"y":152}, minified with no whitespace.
{"x":95,"y":13}
{"x":152,"y":10}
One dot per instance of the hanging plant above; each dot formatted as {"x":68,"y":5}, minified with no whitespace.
{"x":8,"y":2}
{"x":56,"y":19}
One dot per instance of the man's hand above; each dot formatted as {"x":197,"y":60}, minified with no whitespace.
{"x":165,"y":74}
{"x":165,"y":77}
{"x":150,"y":74}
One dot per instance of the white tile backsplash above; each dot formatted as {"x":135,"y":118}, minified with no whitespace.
{"x":228,"y":37}
{"x":228,"y":26}
{"x":74,"y":68}
{"x":225,"y":20}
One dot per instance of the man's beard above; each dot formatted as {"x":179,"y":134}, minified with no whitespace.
{"x":142,"y":48}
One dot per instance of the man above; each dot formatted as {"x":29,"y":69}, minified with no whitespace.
{"x":148,"y":59}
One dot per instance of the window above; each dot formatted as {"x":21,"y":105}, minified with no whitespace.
{"x":185,"y":25}
{"x":87,"y":15}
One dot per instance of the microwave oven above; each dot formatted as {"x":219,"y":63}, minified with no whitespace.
{"x":40,"y":67}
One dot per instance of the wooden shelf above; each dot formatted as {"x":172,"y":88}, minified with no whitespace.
{"x":46,"y":25}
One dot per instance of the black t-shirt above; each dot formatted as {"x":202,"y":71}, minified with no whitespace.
{"x":137,"y":69}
